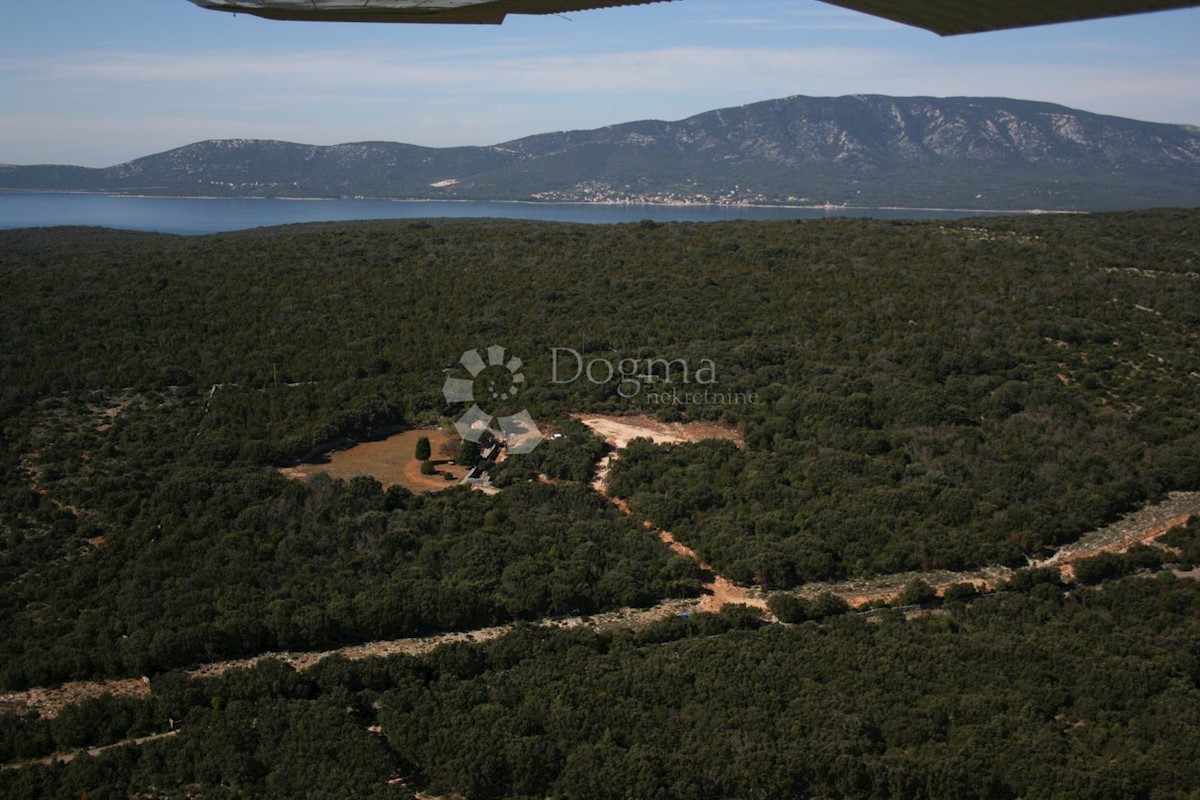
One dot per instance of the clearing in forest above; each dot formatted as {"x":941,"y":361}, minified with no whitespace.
{"x":392,"y":462}
{"x":619,"y":431}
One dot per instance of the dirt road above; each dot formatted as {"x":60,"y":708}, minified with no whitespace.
{"x":1144,"y":526}
{"x":70,"y":755}
{"x":619,"y":432}
{"x":48,"y":702}
{"x":1140,"y":527}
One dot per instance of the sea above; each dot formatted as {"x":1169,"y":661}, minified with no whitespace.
{"x":188,"y":215}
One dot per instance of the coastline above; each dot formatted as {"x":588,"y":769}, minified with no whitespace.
{"x":551,"y":203}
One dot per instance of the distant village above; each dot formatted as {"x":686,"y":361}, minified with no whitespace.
{"x":598,"y":192}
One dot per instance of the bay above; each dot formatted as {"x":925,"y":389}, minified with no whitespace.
{"x":187,"y":215}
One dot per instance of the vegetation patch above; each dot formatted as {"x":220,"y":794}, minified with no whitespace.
{"x":393,"y":462}
{"x":1025,"y":693}
{"x":911,"y":417}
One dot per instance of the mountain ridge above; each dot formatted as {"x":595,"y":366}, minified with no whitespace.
{"x":968,"y":152}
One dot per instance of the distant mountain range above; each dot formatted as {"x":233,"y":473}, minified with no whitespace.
{"x":860,"y":150}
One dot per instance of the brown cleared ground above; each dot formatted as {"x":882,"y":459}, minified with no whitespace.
{"x":392,"y":462}
{"x":1145,"y":526}
{"x":48,"y":702}
{"x":620,"y":430}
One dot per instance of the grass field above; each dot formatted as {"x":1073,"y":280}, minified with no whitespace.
{"x":392,"y":462}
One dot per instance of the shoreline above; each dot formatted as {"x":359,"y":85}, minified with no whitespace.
{"x":585,"y":203}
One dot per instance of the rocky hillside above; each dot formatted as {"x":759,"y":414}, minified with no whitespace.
{"x":857,"y":150}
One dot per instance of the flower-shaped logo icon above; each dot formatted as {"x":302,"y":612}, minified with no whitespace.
{"x":493,"y":381}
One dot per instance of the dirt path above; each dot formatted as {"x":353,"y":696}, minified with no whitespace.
{"x":1140,"y":527}
{"x":48,"y":702}
{"x":888,"y":588}
{"x":70,"y":755}
{"x":718,"y":591}
{"x":1144,"y":526}
{"x":421,"y":645}
{"x":619,"y":431}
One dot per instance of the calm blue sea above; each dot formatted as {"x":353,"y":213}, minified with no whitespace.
{"x":192,"y":215}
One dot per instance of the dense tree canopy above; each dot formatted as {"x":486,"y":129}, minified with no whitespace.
{"x":924,"y":395}
{"x":1034,"y":693}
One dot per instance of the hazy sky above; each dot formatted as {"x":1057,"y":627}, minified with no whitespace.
{"x":97,"y":82}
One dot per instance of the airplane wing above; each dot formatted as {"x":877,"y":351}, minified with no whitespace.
{"x":481,"y":12}
{"x":949,"y":17}
{"x":940,"y":16}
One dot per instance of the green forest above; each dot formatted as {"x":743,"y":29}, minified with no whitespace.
{"x":930,"y":395}
{"x":1091,"y":693}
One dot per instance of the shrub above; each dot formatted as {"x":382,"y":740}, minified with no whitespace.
{"x":917,"y":593}
{"x":960,"y":593}
{"x":1099,"y":568}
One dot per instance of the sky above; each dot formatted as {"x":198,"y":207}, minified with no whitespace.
{"x":99,"y":82}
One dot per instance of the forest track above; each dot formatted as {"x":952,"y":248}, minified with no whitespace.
{"x":49,"y":701}
{"x":66,"y":757}
{"x":1144,"y":526}
{"x":624,"y":618}
{"x":618,"y":432}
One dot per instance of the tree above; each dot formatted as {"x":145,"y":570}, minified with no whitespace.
{"x":468,"y":454}
{"x":829,"y":605}
{"x":1024,"y":580}
{"x":424,"y":450}
{"x":789,"y":608}
{"x":961,"y":592}
{"x":1098,"y":569}
{"x":917,"y":593}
